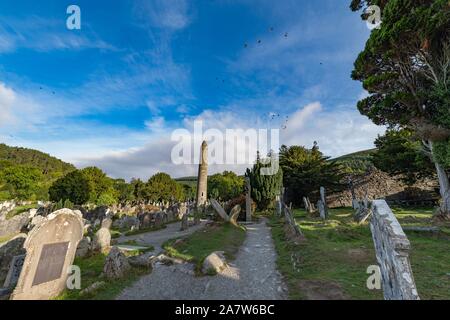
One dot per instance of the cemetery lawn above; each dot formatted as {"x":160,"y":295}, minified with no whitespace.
{"x":214,"y":237}
{"x":332,"y":262}
{"x":91,"y":269}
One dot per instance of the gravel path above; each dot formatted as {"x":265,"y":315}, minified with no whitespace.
{"x":252,"y":276}
{"x":157,"y":238}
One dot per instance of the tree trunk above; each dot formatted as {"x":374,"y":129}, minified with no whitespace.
{"x":444,"y":186}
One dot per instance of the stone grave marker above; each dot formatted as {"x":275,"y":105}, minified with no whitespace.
{"x":392,"y":252}
{"x":321,"y":209}
{"x":220,"y":210}
{"x":51,"y":248}
{"x":14,"y":272}
{"x":234,"y":214}
{"x":323,"y":198}
{"x":248,"y":200}
{"x":184,"y":222}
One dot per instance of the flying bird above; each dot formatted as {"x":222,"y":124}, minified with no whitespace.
{"x":286,"y":35}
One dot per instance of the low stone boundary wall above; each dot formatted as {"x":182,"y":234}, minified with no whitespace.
{"x":392,"y":251}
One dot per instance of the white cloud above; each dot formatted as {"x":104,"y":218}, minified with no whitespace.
{"x":7,"y":98}
{"x":338,"y":132}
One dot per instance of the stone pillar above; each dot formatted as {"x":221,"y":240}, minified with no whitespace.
{"x":248,"y":200}
{"x":324,"y":201}
{"x":202,"y":179}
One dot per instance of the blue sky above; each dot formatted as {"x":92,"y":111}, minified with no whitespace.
{"x":111,"y":93}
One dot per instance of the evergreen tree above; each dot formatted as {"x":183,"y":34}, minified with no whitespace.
{"x":264,"y":187}
{"x":405,"y":68}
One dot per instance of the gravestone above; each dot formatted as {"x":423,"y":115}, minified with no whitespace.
{"x":220,"y":210}
{"x":14,"y":271}
{"x":324,"y":201}
{"x":392,"y":252}
{"x":182,"y":211}
{"x":102,"y":240}
{"x":184,"y":222}
{"x":248,"y":200}
{"x":51,"y":248}
{"x":306,"y":204}
{"x":278,"y":205}
{"x":321,"y":209}
{"x":158,"y":220}
{"x":234,"y":214}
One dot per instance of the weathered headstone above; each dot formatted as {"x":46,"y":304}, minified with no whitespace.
{"x":83,"y":247}
{"x":182,"y":210}
{"x":248,"y":200}
{"x":107,"y":223}
{"x":392,"y":251}
{"x":306,"y":204}
{"x":220,"y":210}
{"x":323,"y":197}
{"x":278,"y":206}
{"x":158,"y":219}
{"x":14,"y":271}
{"x":234,"y":214}
{"x":102,"y":240}
{"x":321,"y":209}
{"x":184,"y":222}
{"x":116,"y":264}
{"x":50,"y":250}
{"x":8,"y":250}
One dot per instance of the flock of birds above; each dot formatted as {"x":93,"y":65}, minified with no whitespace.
{"x":272,"y":116}
{"x":259,"y":41}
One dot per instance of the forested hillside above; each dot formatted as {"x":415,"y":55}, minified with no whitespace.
{"x":27,"y":174}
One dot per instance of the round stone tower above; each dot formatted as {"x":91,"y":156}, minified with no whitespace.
{"x":202,"y":179}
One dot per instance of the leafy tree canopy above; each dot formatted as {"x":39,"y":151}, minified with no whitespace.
{"x":306,"y":170}
{"x":405,"y":67}
{"x":398,"y":154}
{"x":226,"y":185}
{"x":74,"y":187}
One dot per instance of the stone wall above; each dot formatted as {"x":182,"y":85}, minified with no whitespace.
{"x":392,"y":251}
{"x":380,"y":185}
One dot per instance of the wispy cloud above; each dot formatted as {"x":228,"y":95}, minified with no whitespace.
{"x":173,"y":15}
{"x":40,"y":34}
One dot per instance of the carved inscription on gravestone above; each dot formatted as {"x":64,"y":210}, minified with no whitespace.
{"x":51,"y":262}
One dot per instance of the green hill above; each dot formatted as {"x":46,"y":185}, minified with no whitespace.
{"x":356,"y":162}
{"x":27,"y":174}
{"x":23,"y":156}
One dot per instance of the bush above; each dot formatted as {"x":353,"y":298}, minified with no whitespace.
{"x":106,"y":199}
{"x":73,"y":186}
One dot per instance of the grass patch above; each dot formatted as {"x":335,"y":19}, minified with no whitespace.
{"x":91,"y":269}
{"x":18,"y":210}
{"x":7,"y":238}
{"x":215,"y":237}
{"x":115,"y":234}
{"x":339,"y":251}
